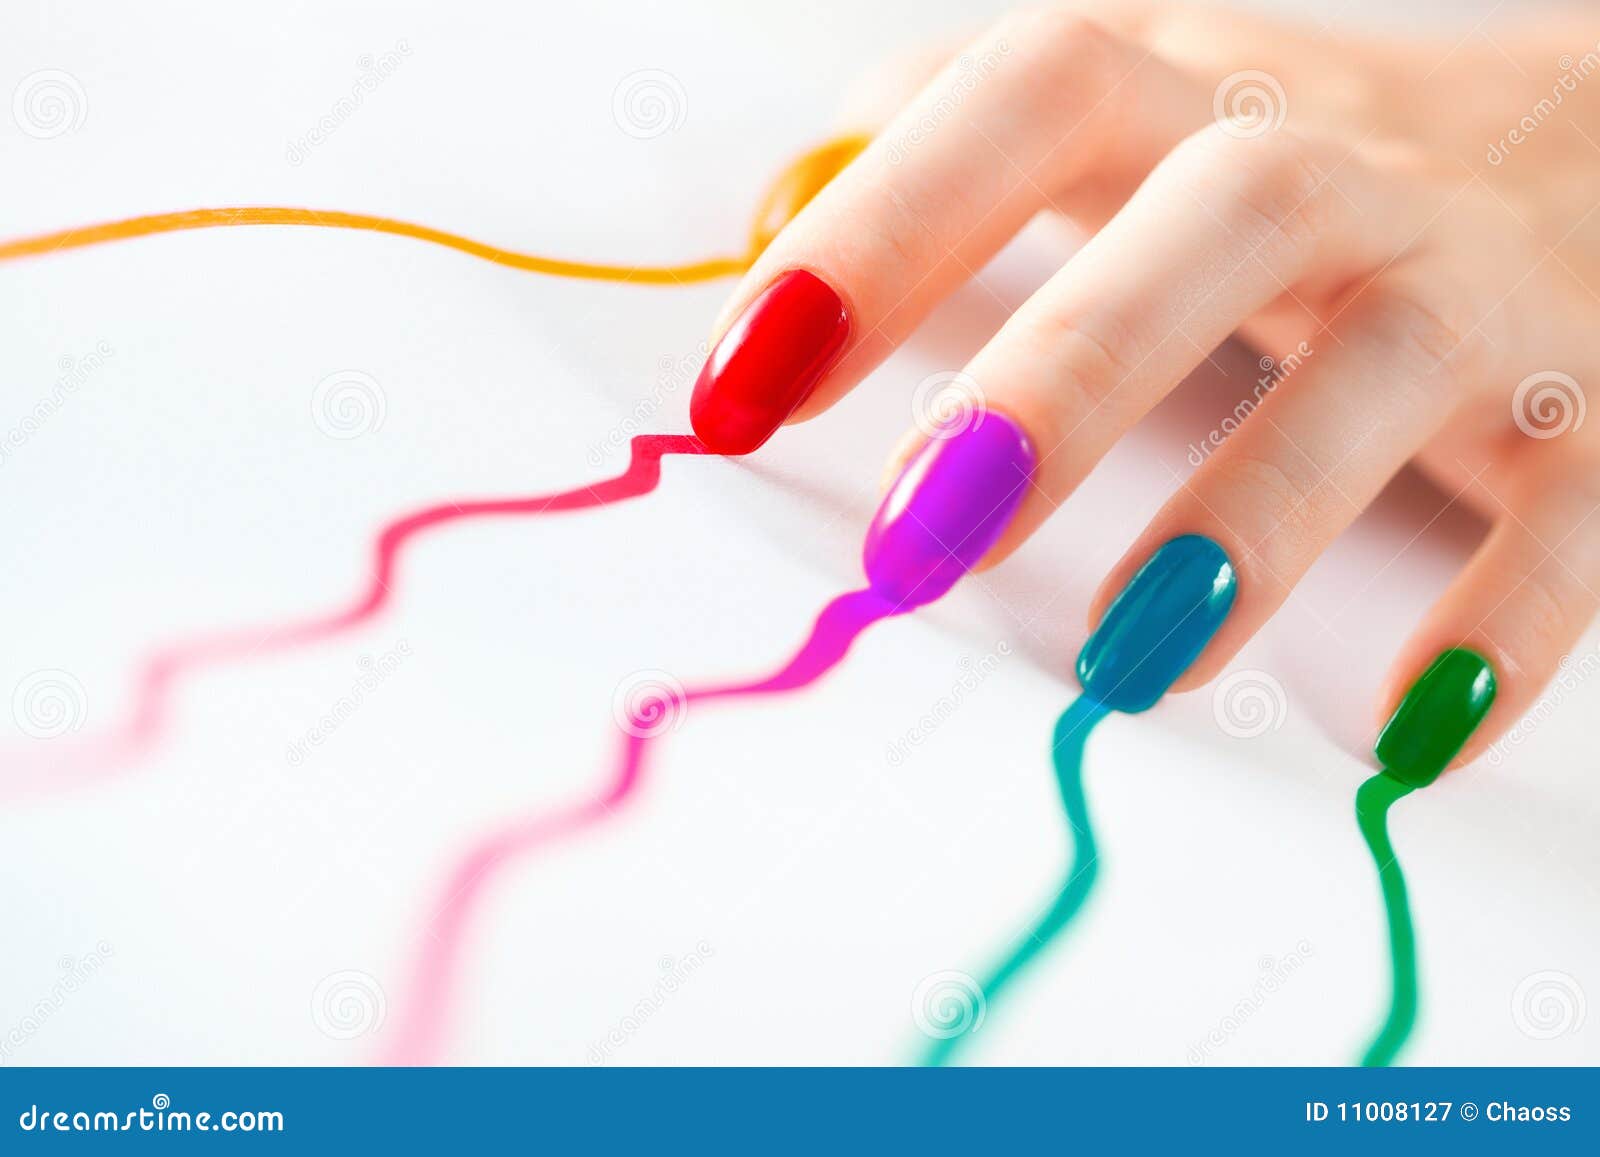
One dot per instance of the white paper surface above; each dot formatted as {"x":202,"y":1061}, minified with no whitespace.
{"x":186,"y":486}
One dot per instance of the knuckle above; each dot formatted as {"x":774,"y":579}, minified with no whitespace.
{"x":1433,"y":321}
{"x":1093,"y":356}
{"x":1269,"y":185}
{"x":1544,"y":625}
{"x":1291,"y":508}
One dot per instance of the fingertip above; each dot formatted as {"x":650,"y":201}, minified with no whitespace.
{"x":767,"y":363}
{"x":946,"y":509}
{"x":1161,"y":622}
{"x":1441,"y":718}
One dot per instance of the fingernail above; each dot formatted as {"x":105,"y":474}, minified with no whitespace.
{"x":1159,"y":624}
{"x":767,"y":362}
{"x":947,"y":508}
{"x":1437,"y":717}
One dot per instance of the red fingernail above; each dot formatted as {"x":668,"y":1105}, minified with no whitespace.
{"x":768,"y":362}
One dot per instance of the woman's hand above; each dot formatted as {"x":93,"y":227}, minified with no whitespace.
{"x":1409,"y":229}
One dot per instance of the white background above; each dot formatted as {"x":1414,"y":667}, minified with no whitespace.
{"x":187,"y":486}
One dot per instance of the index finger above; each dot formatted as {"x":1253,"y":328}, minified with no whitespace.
{"x":1039,"y":108}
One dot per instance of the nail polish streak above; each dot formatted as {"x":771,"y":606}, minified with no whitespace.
{"x":944,"y":491}
{"x":1433,"y":722}
{"x":420,"y":1036}
{"x":1374,"y":798}
{"x":947,"y":508}
{"x":66,"y":761}
{"x":794,"y":186}
{"x":1156,"y":627}
{"x":1077,"y":881}
{"x":768,"y":362}
{"x":1436,"y":717}
{"x":99,"y":754}
{"x":1159,"y":624}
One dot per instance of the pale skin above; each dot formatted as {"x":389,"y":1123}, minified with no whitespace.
{"x":1371,"y":224}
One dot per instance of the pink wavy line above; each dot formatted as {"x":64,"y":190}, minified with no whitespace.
{"x":66,"y":761}
{"x":432,"y":988}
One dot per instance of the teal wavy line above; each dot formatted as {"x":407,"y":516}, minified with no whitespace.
{"x":1071,"y":735}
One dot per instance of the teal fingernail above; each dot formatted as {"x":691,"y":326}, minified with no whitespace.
{"x":1159,"y":624}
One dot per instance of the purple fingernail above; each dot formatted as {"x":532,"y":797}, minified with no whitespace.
{"x":947,"y":508}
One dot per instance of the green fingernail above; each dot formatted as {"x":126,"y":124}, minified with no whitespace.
{"x":1437,"y":716}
